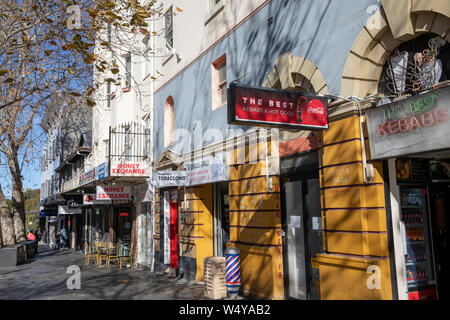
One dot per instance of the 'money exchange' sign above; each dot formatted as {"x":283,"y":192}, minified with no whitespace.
{"x":113,"y":193}
{"x":276,"y":108}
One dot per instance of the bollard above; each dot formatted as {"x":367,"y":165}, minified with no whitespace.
{"x":233,"y":271}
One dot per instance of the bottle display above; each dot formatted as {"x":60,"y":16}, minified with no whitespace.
{"x":417,"y":256}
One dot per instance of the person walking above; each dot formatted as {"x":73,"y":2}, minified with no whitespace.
{"x":63,"y":237}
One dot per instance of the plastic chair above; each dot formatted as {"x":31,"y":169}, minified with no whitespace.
{"x":127,"y":259}
{"x":113,"y":254}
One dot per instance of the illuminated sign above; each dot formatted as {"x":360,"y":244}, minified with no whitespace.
{"x":276,"y":108}
{"x":412,"y":125}
{"x":129,"y":168}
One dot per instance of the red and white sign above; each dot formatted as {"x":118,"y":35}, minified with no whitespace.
{"x":90,"y":199}
{"x":129,"y":168}
{"x":276,"y":108}
{"x":113,"y":193}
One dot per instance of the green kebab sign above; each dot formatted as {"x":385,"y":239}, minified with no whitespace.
{"x":412,"y":125}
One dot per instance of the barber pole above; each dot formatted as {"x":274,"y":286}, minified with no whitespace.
{"x":233,"y":271}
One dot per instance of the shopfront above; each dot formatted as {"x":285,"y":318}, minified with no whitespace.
{"x":145,"y":224}
{"x":412,"y":136}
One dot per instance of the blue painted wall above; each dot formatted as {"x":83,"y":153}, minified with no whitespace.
{"x":322,"y":31}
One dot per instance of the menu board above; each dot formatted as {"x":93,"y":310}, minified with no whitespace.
{"x":412,"y":169}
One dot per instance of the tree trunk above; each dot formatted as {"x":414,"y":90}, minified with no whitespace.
{"x":18,"y":201}
{"x":18,"y":208}
{"x":6,"y":222}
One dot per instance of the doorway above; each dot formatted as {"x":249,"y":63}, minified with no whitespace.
{"x":221,"y":218}
{"x":301,"y":221}
{"x":122,"y":222}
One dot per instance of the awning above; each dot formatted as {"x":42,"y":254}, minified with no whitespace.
{"x":48,"y":213}
{"x":63,"y":210}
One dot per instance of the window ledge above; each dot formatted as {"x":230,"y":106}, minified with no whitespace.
{"x":213,"y":13}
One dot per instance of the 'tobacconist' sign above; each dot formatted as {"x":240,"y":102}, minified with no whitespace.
{"x":276,"y":108}
{"x":167,"y":178}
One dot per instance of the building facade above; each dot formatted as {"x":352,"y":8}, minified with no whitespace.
{"x":316,"y":214}
{"x":68,"y":142}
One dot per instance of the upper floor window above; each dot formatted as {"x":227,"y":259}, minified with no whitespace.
{"x":415,"y":66}
{"x":108,"y":94}
{"x":169,"y":121}
{"x":213,"y":3}
{"x":168,"y":18}
{"x":128,"y":71}
{"x":219,"y":82}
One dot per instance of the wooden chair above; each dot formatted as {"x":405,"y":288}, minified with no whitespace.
{"x":127,"y":259}
{"x":113,"y":253}
{"x":102,"y":253}
{"x":91,"y":253}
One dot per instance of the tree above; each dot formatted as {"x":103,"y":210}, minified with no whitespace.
{"x":51,"y":46}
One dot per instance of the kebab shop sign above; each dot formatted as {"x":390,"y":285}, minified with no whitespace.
{"x":412,"y":125}
{"x":113,"y":193}
{"x":276,"y":108}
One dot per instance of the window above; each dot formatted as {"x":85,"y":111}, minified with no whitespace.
{"x":168,"y":17}
{"x":415,"y":66}
{"x":128,"y":71}
{"x":108,"y":94}
{"x":219,"y":82}
{"x":212,"y":4}
{"x":169,"y":122}
{"x":108,"y":32}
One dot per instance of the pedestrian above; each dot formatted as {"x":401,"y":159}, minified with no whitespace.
{"x":31,"y":236}
{"x":44,"y":237}
{"x":38,"y":234}
{"x":63,"y":237}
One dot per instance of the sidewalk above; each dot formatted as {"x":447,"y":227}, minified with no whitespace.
{"x":45,"y":278}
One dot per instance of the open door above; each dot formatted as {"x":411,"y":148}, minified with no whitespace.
{"x":295,"y":241}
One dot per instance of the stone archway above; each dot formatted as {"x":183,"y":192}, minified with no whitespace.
{"x":397,"y":22}
{"x":296,"y":73}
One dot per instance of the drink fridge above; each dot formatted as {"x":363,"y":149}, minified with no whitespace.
{"x":417,"y":243}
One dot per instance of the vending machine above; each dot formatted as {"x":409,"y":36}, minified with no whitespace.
{"x":417,"y":244}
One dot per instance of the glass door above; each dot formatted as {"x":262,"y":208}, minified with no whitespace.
{"x":417,"y":242}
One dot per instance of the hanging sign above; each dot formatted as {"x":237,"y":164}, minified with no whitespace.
{"x":205,"y":170}
{"x":168,"y":178}
{"x":412,"y":125}
{"x":142,"y":193}
{"x":129,"y":168}
{"x":113,"y":193}
{"x":276,"y":108}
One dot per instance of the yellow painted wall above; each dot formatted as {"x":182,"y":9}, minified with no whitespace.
{"x":255,"y":228}
{"x":353,"y":216}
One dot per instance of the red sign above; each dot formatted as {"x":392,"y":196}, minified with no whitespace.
{"x":276,"y":108}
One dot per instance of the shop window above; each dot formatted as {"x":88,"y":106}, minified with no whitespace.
{"x":416,"y":66}
{"x":219,"y":82}
{"x":168,"y":18}
{"x":169,"y":121}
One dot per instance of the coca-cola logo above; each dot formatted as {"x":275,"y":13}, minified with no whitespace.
{"x":315,"y":106}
